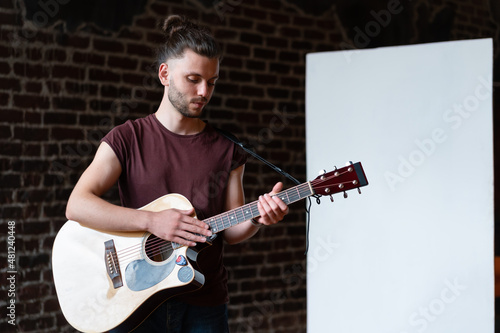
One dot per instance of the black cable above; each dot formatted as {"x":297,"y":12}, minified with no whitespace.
{"x":246,"y":148}
{"x":234,"y":139}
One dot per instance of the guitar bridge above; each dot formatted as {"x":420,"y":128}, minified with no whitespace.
{"x":112,"y":264}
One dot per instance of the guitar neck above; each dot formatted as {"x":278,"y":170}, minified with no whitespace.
{"x":339,"y":180}
{"x":236,"y":216}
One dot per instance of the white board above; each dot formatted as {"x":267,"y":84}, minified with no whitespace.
{"x":414,"y":251}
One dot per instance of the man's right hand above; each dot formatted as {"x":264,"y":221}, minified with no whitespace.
{"x":179,"y":226}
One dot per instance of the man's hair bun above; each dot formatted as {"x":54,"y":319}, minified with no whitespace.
{"x":175,"y":23}
{"x":181,"y":34}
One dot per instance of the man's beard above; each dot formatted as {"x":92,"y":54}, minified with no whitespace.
{"x":180,"y":104}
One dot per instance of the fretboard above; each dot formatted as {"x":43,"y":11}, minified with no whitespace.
{"x":236,"y":216}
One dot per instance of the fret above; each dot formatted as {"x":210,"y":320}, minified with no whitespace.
{"x":288,"y":201}
{"x":298,"y":192}
{"x":246,"y":212}
{"x":225,"y":221}
{"x":284,"y":196}
{"x":231,"y":216}
{"x":213,"y":225}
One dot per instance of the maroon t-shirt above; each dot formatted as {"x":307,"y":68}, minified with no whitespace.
{"x":156,"y":162}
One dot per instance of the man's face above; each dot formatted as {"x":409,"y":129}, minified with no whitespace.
{"x":191,"y":82}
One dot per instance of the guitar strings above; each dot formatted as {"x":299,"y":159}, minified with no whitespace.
{"x":149,"y":247}
{"x":159,"y":246}
{"x":163,"y":245}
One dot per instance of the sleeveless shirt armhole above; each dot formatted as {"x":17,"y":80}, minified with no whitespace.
{"x":239,"y":157}
{"x":116,"y":143}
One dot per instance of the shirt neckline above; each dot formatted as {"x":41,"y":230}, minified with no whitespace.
{"x":185,"y":136}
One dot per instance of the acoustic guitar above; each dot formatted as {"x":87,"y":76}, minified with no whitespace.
{"x":111,"y":281}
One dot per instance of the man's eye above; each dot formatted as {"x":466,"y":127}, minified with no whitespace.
{"x":211,"y":84}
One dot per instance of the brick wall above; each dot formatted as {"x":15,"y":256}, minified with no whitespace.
{"x":65,"y":83}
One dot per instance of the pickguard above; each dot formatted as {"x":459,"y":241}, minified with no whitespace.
{"x":141,"y":275}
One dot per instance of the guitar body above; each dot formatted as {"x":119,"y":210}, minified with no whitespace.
{"x":111,"y":281}
{"x":95,"y":298}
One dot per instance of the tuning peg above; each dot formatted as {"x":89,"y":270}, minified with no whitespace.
{"x":331,"y":198}
{"x":322,"y":172}
{"x":359,"y":190}
{"x":345,"y":194}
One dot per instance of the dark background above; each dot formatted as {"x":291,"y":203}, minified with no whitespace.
{"x":71,"y":70}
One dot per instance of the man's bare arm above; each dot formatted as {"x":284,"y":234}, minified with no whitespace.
{"x":86,"y":206}
{"x":271,"y":209}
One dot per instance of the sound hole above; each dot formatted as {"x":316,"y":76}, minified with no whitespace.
{"x":157,"y":249}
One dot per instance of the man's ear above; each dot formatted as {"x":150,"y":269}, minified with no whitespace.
{"x":163,"y":73}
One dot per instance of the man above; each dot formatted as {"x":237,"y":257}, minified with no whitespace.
{"x":174,"y":151}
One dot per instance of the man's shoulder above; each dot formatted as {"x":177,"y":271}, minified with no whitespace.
{"x":146,"y":121}
{"x":129,"y":130}
{"x":132,"y":125}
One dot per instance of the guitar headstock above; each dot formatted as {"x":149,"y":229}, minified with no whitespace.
{"x":340,"y":180}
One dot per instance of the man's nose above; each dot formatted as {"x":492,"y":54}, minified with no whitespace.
{"x":203,"y":89}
